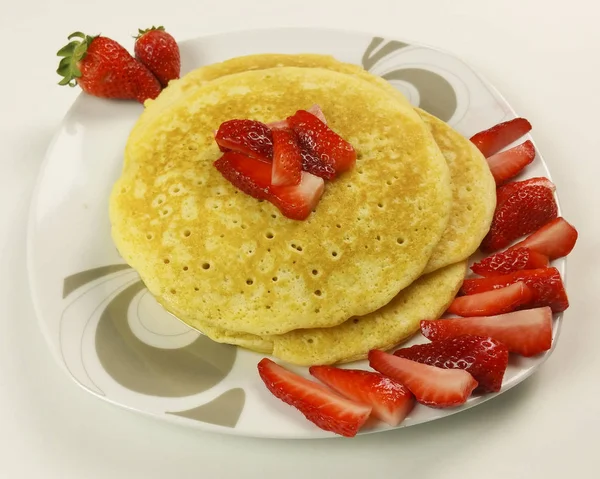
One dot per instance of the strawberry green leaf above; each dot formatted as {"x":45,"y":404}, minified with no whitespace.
{"x":76,"y":35}
{"x":142,"y":32}
{"x":67,"y":50}
{"x":72,"y":53}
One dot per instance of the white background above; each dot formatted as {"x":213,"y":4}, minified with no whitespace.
{"x":543,"y":56}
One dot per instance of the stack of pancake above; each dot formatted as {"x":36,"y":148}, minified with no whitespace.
{"x":386,"y":246}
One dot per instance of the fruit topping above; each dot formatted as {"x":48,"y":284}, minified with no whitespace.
{"x":250,"y":137}
{"x":498,"y":301}
{"x":320,"y":405}
{"x":554,"y":240}
{"x":322,"y":142}
{"x":508,"y":164}
{"x":253,"y":177}
{"x":546,"y":285}
{"x":103,"y":68}
{"x":432,"y":386}
{"x":287,"y":161}
{"x":314,"y":110}
{"x":312,"y":164}
{"x":527,"y":332}
{"x":158,"y":50}
{"x":522,"y":208}
{"x":513,"y":259}
{"x":298,"y":152}
{"x":249,"y":175}
{"x":391,"y":402}
{"x":298,"y":201}
{"x":483,"y":357}
{"x":492,"y":140}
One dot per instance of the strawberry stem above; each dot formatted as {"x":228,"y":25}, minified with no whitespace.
{"x":72,"y":53}
{"x":141,"y":32}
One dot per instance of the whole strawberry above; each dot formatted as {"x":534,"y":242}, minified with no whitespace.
{"x":103,"y":68}
{"x":158,"y":50}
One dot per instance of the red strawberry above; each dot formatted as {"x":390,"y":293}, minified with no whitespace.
{"x":298,"y":201}
{"x":555,"y":240}
{"x":508,"y":164}
{"x":314,"y":110}
{"x":253,"y":177}
{"x":508,"y":189}
{"x":391,"y":402}
{"x":312,"y":164}
{"x":498,"y":301}
{"x":255,"y":139}
{"x":320,"y":140}
{"x":513,"y":259}
{"x":287,"y":161}
{"x":103,"y":68}
{"x":546,"y":284}
{"x":249,"y":137}
{"x":503,"y":134}
{"x":431,"y":386}
{"x":524,"y":209}
{"x":320,"y":405}
{"x":527,"y":332}
{"x":159,"y":51}
{"x":249,"y":175}
{"x":484,"y":358}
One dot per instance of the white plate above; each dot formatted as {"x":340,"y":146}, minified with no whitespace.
{"x":105,"y":329}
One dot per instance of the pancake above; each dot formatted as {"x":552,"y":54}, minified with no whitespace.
{"x":426,"y":298}
{"x":473,"y":196}
{"x":473,"y":186}
{"x":208,"y":252}
{"x":188,"y":83}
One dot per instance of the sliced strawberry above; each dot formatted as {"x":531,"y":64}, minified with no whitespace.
{"x":250,"y":175}
{"x":505,"y":191}
{"x":298,"y":201}
{"x":250,"y":137}
{"x":287,"y":161}
{"x":313,"y":165}
{"x":316,"y":110}
{"x":498,"y":301}
{"x":253,"y":177}
{"x":508,"y":164}
{"x":546,"y":284}
{"x":274,"y":125}
{"x":524,"y":209}
{"x":555,"y":240}
{"x":492,"y":140}
{"x":313,"y":110}
{"x":432,"y":386}
{"x":527,"y":332}
{"x":322,"y":142}
{"x":513,"y":259}
{"x":319,"y":405}
{"x":484,"y":358}
{"x":391,"y":402}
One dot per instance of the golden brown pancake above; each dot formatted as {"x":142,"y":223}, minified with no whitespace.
{"x":473,"y":187}
{"x":210,"y":253}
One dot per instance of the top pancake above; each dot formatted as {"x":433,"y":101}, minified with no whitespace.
{"x":187,"y":85}
{"x":473,"y":187}
{"x":207,"y":251}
